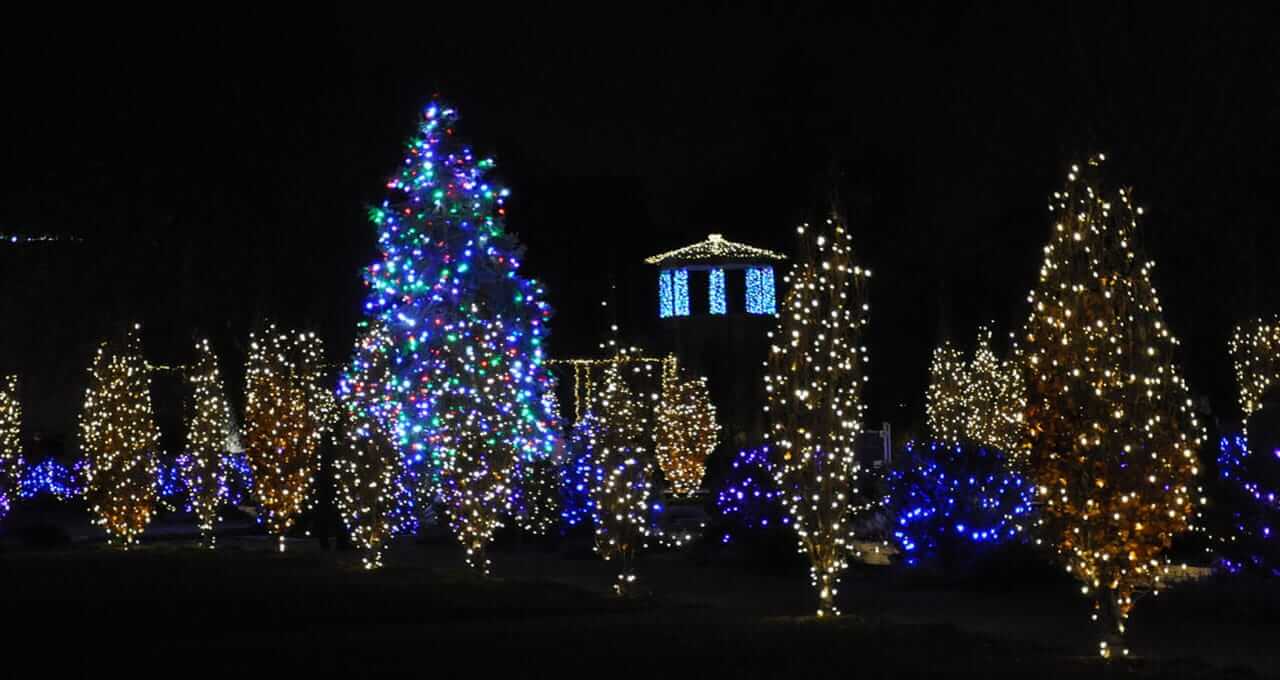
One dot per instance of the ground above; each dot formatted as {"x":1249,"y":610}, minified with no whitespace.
{"x":169,"y":605}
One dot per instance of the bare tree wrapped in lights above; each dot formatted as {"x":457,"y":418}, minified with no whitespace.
{"x":10,"y":442}
{"x":288,"y":409}
{"x":120,"y":439}
{"x":817,"y":366}
{"x":204,"y":470}
{"x":1113,"y":439}
{"x":373,"y":493}
{"x":686,"y":431}
{"x":620,"y":497}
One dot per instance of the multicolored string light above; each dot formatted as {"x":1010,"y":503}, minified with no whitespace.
{"x":816,"y":370}
{"x":447,"y":261}
{"x":1113,"y":435}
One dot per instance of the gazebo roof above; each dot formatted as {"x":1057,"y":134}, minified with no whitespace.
{"x":714,"y":250}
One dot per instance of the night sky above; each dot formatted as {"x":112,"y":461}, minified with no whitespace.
{"x":218,"y":167}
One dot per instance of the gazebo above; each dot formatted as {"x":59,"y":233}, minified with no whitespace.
{"x":729,"y":278}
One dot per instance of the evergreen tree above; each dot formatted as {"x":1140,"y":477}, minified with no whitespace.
{"x":447,"y":261}
{"x":11,"y":467}
{"x":1113,"y":438}
{"x":623,"y":475}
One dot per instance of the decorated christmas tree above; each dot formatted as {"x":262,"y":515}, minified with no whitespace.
{"x":11,"y":471}
{"x":288,"y":410}
{"x":687,"y":430}
{"x":120,"y":440}
{"x":1113,"y":439}
{"x":624,"y":476}
{"x":374,"y":490}
{"x":447,"y":262}
{"x":816,"y":370}
{"x":203,"y":466}
{"x":578,"y":474}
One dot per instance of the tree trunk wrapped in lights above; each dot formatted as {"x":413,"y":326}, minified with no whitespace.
{"x":120,"y":439}
{"x":204,"y":470}
{"x":623,"y":476}
{"x":477,"y":433}
{"x":288,"y":409}
{"x":817,"y":366}
{"x":10,"y":442}
{"x":686,"y":431}
{"x":373,"y":489}
{"x":1113,"y":439}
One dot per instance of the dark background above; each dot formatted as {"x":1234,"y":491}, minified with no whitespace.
{"x":217,"y":165}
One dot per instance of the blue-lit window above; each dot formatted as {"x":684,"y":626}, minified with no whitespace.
{"x":680,"y":277}
{"x":666,"y":302}
{"x":717,"y":291}
{"x":760,"y":292}
{"x":673,"y":293}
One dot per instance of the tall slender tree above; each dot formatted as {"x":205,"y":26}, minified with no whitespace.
{"x":373,"y":487}
{"x":1113,"y":439}
{"x":120,"y":440}
{"x":816,"y":370}
{"x":622,"y":476}
{"x":10,"y":442}
{"x":204,"y":465}
{"x":288,"y":410}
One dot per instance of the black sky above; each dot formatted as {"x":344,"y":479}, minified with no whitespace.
{"x":218,"y":165}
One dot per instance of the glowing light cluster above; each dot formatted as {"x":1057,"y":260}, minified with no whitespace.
{"x":1250,"y":539}
{"x":1113,"y":435}
{"x":949,"y":500}
{"x":715,"y":280}
{"x":120,"y":440}
{"x":1255,"y":351}
{"x":446,"y":262}
{"x":203,"y":465}
{"x":716,"y":247}
{"x":666,"y":294}
{"x":52,"y":477}
{"x":10,"y":442}
{"x":624,"y":467}
{"x":686,"y":432}
{"x":288,"y":410}
{"x":477,"y":433}
{"x":374,"y":490}
{"x":816,"y":369}
{"x":680,"y":291}
{"x":761,"y":296}
{"x":980,"y":400}
{"x":579,"y":475}
{"x":750,"y":497}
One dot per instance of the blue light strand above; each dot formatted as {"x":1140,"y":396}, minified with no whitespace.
{"x":716,"y":281}
{"x":761,"y":295}
{"x":666,"y":295}
{"x":1252,"y":511}
{"x":52,"y":477}
{"x":681,"y":282}
{"x":954,"y":495}
{"x":750,"y":498}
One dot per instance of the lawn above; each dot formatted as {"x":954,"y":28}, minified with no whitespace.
{"x":167,"y":605}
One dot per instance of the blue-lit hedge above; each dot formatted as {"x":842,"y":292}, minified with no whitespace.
{"x":949,"y":503}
